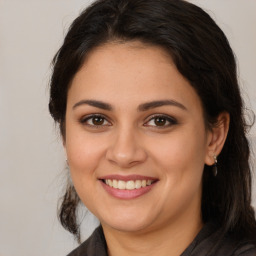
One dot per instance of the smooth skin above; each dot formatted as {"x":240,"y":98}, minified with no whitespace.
{"x":115,"y":127}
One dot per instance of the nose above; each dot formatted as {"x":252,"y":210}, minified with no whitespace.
{"x":125,"y":149}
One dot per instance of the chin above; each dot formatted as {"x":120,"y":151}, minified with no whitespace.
{"x":128,"y":223}
{"x":127,"y":227}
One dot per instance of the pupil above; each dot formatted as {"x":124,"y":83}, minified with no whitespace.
{"x":97,"y":121}
{"x":160,"y":121}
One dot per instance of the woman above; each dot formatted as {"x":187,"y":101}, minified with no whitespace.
{"x":147,"y":99}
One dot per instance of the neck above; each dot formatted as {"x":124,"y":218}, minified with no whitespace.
{"x":169,"y":240}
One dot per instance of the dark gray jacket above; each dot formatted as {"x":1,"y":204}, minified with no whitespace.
{"x":206,"y":243}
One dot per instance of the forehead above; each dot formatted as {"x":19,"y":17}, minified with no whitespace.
{"x":130,"y":72}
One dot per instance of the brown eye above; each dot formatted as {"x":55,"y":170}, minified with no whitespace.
{"x":160,"y":121}
{"x":95,"y":120}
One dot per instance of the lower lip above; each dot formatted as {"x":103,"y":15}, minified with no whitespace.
{"x":125,"y":193}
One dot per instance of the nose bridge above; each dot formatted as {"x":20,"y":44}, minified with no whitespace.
{"x":126,"y":149}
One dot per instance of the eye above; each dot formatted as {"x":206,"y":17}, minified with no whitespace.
{"x":161,"y":121}
{"x":95,"y":120}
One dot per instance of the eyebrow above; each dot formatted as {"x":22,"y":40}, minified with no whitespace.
{"x":143,"y":107}
{"x":160,"y":103}
{"x":94,"y":103}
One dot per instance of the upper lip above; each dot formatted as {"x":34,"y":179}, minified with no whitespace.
{"x":127,"y":177}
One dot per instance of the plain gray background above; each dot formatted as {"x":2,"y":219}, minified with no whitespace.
{"x":32,"y":162}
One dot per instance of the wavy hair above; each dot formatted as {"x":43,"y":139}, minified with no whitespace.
{"x":202,"y":54}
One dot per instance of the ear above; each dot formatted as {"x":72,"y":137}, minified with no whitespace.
{"x":217,"y":137}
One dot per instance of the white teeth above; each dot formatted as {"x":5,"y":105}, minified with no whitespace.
{"x":121,"y":184}
{"x":129,"y":185}
{"x":149,"y":182}
{"x":110,"y":183}
{"x":115,"y":184}
{"x":138,"y":184}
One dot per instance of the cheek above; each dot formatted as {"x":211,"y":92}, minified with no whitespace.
{"x":82,"y":150}
{"x":181,"y":163}
{"x":84,"y":154}
{"x":180,"y":158}
{"x":181,"y":148}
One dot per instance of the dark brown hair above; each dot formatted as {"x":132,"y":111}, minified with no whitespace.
{"x":202,"y":54}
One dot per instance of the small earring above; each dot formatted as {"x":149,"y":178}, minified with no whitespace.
{"x":67,"y":162}
{"x":215,"y":170}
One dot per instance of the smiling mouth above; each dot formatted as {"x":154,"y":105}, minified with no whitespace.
{"x":128,"y":185}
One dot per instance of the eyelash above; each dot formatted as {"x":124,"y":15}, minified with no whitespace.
{"x":85,"y":120}
{"x":171,"y":121}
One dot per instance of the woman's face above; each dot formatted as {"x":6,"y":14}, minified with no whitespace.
{"x":135,"y":138}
